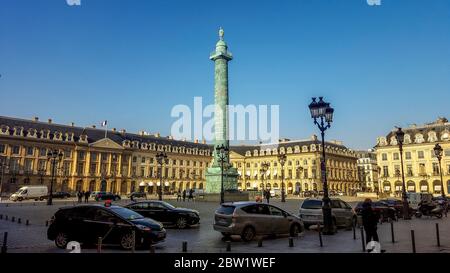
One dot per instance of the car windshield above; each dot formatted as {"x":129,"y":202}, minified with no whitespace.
{"x":127,"y":214}
{"x":168,"y":205}
{"x":227,"y":210}
{"x":312,"y":204}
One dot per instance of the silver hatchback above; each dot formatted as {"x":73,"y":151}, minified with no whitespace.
{"x":311,"y":212}
{"x":249,"y":219}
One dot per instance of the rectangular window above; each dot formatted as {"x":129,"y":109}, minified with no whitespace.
{"x":2,"y":148}
{"x":152,"y":160}
{"x":43,"y":152}
{"x":28,"y":165}
{"x":385,"y":171}
{"x":409,"y":170}
{"x":133,"y":171}
{"x":446,"y":152}
{"x":384,"y":157}
{"x":14,"y":165}
{"x":396,"y":156}
{"x":103,"y":168}
{"x":104,"y":157}
{"x":420,"y":154}
{"x":67,"y":153}
{"x":66,"y":168}
{"x":15,"y":150}
{"x":80,"y":168}
{"x":41,"y":166}
{"x":143,"y":160}
{"x":448,"y":169}
{"x":124,"y":170}
{"x":93,"y":168}
{"x":142,"y":171}
{"x":30,"y":150}
{"x":422,"y":170}
{"x":436,"y":168}
{"x":408,"y":155}
{"x":134,"y":159}
{"x":81,"y":155}
{"x":93,"y":156}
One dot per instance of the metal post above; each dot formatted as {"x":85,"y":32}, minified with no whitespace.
{"x":354,"y":232}
{"x":392,"y":232}
{"x":291,"y":242}
{"x":99,"y":245}
{"x":19,"y":221}
{"x":13,"y":219}
{"x":27,"y":223}
{"x":46,"y":223}
{"x":222,"y":192}
{"x":184,"y":246}
{"x":320,"y":234}
{"x":363,"y":240}
{"x":260,"y":242}
{"x":5,"y":242}
{"x":228,"y":246}
{"x":6,"y":217}
{"x":438,"y":239}
{"x":413,"y":240}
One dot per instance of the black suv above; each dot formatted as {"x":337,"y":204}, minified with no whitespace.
{"x":166,"y":213}
{"x":103,"y":196}
{"x":114,"y":224}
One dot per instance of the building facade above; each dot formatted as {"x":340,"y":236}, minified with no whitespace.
{"x":96,"y":160}
{"x":421,"y":168}
{"x":368,"y":171}
{"x":302,"y":167}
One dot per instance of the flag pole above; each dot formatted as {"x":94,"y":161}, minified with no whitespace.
{"x":106,"y":130}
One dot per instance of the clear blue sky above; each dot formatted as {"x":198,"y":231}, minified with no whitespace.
{"x":130,"y":62}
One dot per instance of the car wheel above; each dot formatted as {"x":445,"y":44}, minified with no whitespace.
{"x":61,"y":240}
{"x":295,"y":230}
{"x":126,"y":241}
{"x":181,"y":223}
{"x":41,"y":198}
{"x":248,"y":234}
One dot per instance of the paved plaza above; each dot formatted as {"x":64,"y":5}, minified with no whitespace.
{"x":203,"y":239}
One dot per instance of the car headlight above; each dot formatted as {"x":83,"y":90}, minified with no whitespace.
{"x":143,"y":228}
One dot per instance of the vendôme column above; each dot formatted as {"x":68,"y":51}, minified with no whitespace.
{"x":221,"y":56}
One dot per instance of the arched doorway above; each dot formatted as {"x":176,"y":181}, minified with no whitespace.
{"x":424,"y":186}
{"x":290,"y":188}
{"x":103,"y":185}
{"x":411,"y":186}
{"x":437,"y":188}
{"x":398,"y":188}
{"x":387,"y":186}
{"x":133,"y":186}
{"x":113,"y":186}
{"x":268,"y":186}
{"x":92,"y":186}
{"x":315,"y":186}
{"x":123,"y":187}
{"x":79,"y":185}
{"x":150,"y":188}
{"x":142,"y":186}
{"x":298,"y":187}
{"x":306,"y":187}
{"x":65,"y":185}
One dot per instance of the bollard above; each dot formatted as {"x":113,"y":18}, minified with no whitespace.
{"x":438,"y":239}
{"x":363,"y":240}
{"x":413,"y":240}
{"x":184,"y":246}
{"x":228,"y":246}
{"x":99,"y":245}
{"x":13,"y":219}
{"x":46,"y":223}
{"x":320,"y":234}
{"x":19,"y":221}
{"x":291,"y":242}
{"x":133,"y":244}
{"x":260,"y":242}
{"x":392,"y":232}
{"x":354,"y":232}
{"x":27,"y":222}
{"x":1,"y":216}
{"x":6,"y":217}
{"x":4,"y":245}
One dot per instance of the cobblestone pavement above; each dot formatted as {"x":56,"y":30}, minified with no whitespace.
{"x":203,"y":239}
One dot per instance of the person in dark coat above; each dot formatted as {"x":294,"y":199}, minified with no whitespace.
{"x":80,"y":196}
{"x":86,"y":196}
{"x":191,"y":195}
{"x":370,"y":221}
{"x":267,"y":192}
{"x":178,"y":195}
{"x":184,"y":195}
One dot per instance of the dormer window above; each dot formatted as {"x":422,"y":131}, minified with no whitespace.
{"x":394,"y":141}
{"x":289,"y":150}
{"x":69,"y":136}
{"x":432,"y":137}
{"x":18,"y":131}
{"x":57,"y":136}
{"x":407,"y":139}
{"x":304,"y":148}
{"x":445,"y":135}
{"x":255,"y":153}
{"x":83,"y":138}
{"x":126,"y":143}
{"x":45,"y":134}
{"x":32,"y":132}
{"x":144,"y":146}
{"x":248,"y":153}
{"x":313,"y":147}
{"x":419,"y":138}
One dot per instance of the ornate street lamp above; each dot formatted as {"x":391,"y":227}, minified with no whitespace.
{"x":222,"y":153}
{"x":282,"y":160}
{"x":322,"y":114}
{"x":54,"y":157}
{"x":438,"y":153}
{"x":161,"y":158}
{"x":263,"y":171}
{"x":400,"y":138}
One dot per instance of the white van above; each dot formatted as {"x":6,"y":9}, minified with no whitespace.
{"x":30,"y":192}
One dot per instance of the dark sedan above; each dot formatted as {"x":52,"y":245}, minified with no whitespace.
{"x":102,"y":196}
{"x":398,"y":206}
{"x":166,"y":213}
{"x":115,"y":225}
{"x":381,"y":209}
{"x":61,"y":195}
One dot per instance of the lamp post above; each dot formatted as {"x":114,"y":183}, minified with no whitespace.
{"x":322,"y":114}
{"x":3,"y":167}
{"x":263,"y":171}
{"x":400,"y":138}
{"x":54,"y":157}
{"x":161,"y":158}
{"x":282,"y":160}
{"x":299,"y":171}
{"x":438,"y":153}
{"x":222,"y":153}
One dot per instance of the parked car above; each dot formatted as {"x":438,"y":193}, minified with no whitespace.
{"x":86,"y":223}
{"x":249,"y":219}
{"x":102,"y":196}
{"x":310,"y":194}
{"x":166,"y":213}
{"x":61,"y":195}
{"x":398,"y":206}
{"x":94,"y":193}
{"x":382,"y":210}
{"x":137,"y":195}
{"x":342,"y":213}
{"x":30,"y":192}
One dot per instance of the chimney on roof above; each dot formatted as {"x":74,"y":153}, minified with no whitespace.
{"x":123,"y":131}
{"x":204,"y":141}
{"x":142,"y":133}
{"x":170,"y":137}
{"x":93,"y":126}
{"x":72,"y":124}
{"x":49,"y":121}
{"x":35,"y":119}
{"x":114,"y":130}
{"x":196,"y":141}
{"x":314,"y":137}
{"x":157,"y":135}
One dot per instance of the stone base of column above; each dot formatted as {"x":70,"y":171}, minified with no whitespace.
{"x":214,"y":180}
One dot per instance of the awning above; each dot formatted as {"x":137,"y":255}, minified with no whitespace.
{"x":437,"y":187}
{"x":142,"y":184}
{"x":248,"y":173}
{"x":424,"y":188}
{"x":150,"y":184}
{"x":275,"y":172}
{"x":398,"y":188}
{"x":239,"y":172}
{"x":256,"y":173}
{"x":158,"y":184}
{"x":166,"y":184}
{"x":411,"y":188}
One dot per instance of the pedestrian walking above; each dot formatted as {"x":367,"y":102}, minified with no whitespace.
{"x":178,"y":195}
{"x":370,"y":221}
{"x":86,"y":196}
{"x":191,"y":195}
{"x":184,"y":195}
{"x":79,"y":195}
{"x":268,"y":196}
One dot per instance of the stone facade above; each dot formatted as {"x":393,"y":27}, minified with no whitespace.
{"x":368,"y":170}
